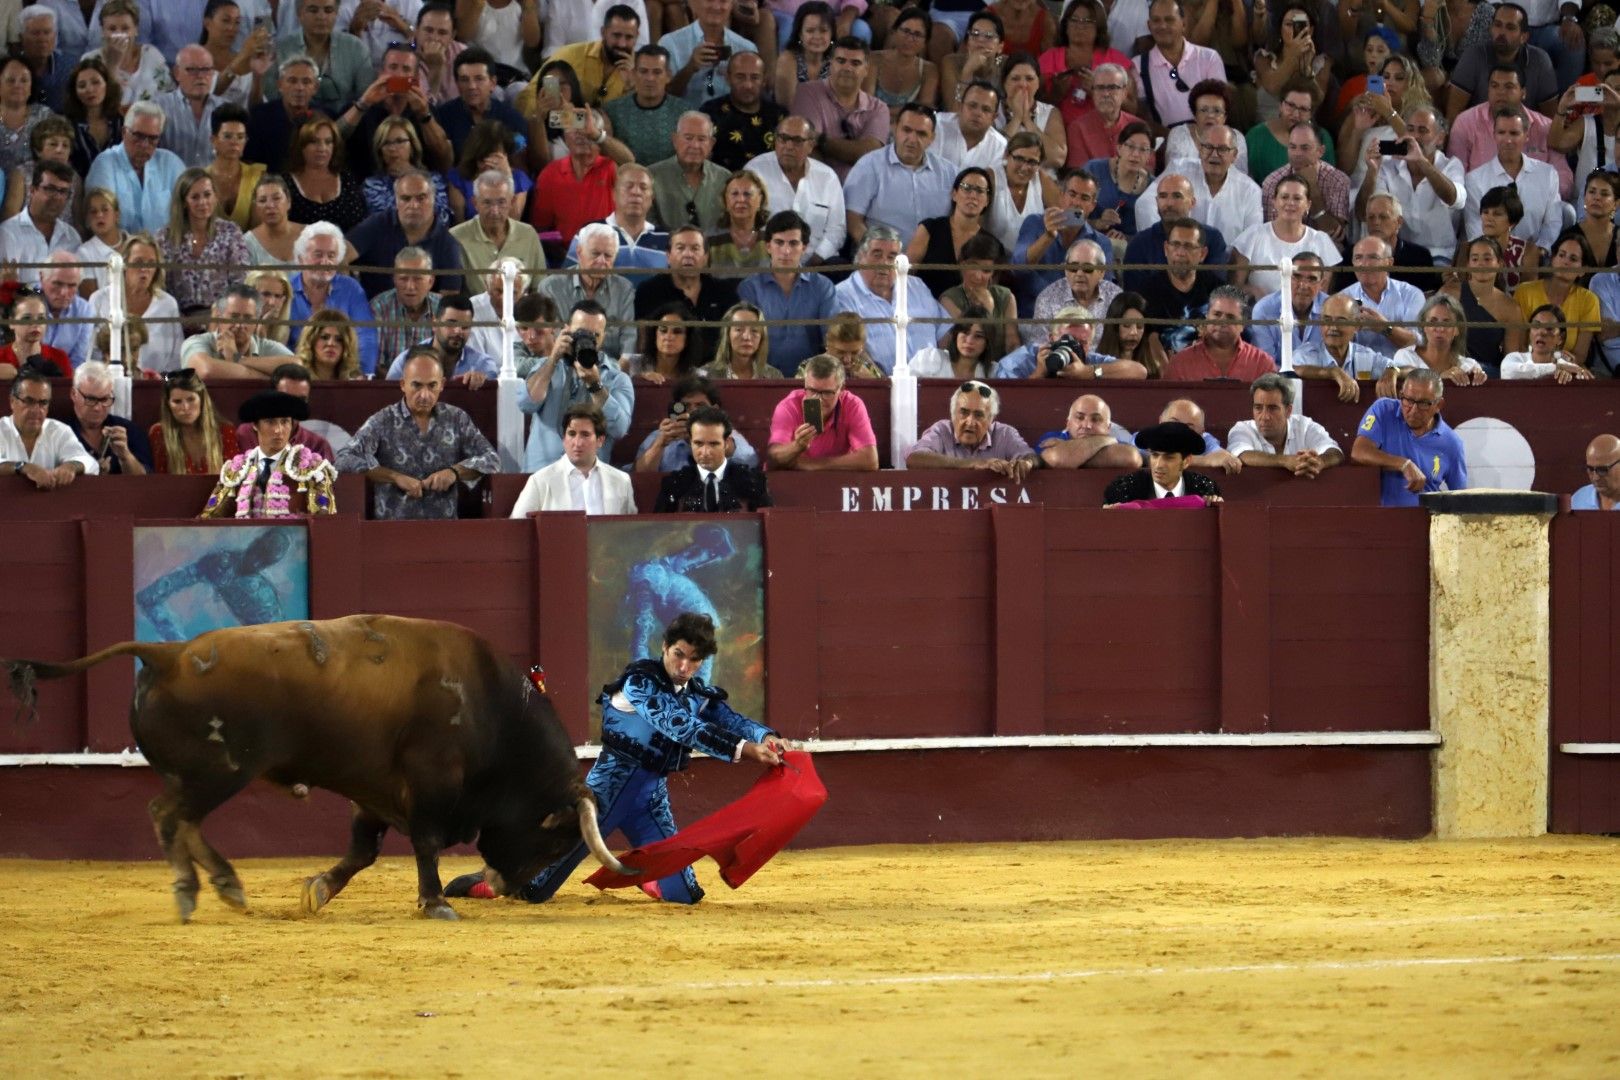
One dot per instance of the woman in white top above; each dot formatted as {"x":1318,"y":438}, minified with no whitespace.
{"x":144,"y":296}
{"x":1021,"y":113}
{"x":1440,"y":345}
{"x":1284,"y":236}
{"x":106,"y":236}
{"x":1211,"y":102}
{"x":141,"y":71}
{"x":1545,"y":357}
{"x":502,"y":27}
{"x":1022,"y":189}
{"x":964,"y":355}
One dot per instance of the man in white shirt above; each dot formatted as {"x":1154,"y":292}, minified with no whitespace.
{"x":1277,"y":438}
{"x":1429,"y":186}
{"x":1226,"y":199}
{"x":577,"y":480}
{"x":968,"y":136}
{"x":796,"y":181}
{"x":44,"y":450}
{"x":34,"y":234}
{"x":1536,"y":180}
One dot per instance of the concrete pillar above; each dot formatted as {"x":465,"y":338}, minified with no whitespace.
{"x":1489,"y":661}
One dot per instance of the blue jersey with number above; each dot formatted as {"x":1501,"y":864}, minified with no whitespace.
{"x":1438,"y":452}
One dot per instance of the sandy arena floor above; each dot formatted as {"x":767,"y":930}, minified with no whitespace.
{"x":1240,"y":958}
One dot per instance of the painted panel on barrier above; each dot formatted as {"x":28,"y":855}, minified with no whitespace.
{"x":644,"y":573}
{"x":190,"y":579}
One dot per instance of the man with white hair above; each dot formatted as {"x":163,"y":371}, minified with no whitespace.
{"x":319,"y":249}
{"x":1074,"y":359}
{"x":594,"y":280}
{"x":1385,"y":219}
{"x":118,"y":444}
{"x":40,"y":230}
{"x":1224,"y":197}
{"x":688,"y":188}
{"x":140,"y":173}
{"x":190,"y":107}
{"x":1082,"y":285}
{"x":492,"y":235}
{"x":488,"y":309}
{"x":870,"y":291}
{"x":67,"y":327}
{"x":972,"y":438}
{"x":1430,"y":187}
{"x":40,"y":50}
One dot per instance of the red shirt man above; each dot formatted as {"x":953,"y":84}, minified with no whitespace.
{"x":574,"y":191}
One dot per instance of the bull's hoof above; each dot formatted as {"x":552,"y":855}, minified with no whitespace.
{"x":233,"y":895}
{"x":440,"y":910}
{"x":185,"y":899}
{"x":317,"y":893}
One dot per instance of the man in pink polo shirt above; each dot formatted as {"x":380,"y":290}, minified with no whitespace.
{"x":1221,"y":352}
{"x":844,"y":440}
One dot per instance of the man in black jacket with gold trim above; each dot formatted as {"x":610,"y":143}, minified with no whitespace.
{"x":711,"y":484}
{"x":1169,"y":445}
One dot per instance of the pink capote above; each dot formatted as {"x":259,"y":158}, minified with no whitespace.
{"x":1174,"y":502}
{"x":741,"y":837}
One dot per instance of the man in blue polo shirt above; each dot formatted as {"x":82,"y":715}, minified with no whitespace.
{"x":1405,"y":437}
{"x":1603,"y":493}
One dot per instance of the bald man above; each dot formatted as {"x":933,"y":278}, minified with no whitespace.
{"x":1340,"y":358}
{"x":1189,"y":412}
{"x":1089,"y":440}
{"x":1173,"y":200}
{"x":1603,"y":493}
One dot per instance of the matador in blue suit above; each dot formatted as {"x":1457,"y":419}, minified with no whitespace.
{"x":653,"y":717}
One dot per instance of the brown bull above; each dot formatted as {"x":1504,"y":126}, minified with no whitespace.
{"x":421,"y":724}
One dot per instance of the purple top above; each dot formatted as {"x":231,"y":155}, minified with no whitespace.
{"x":1004,"y":442}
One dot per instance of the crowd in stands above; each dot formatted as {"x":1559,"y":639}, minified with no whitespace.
{"x":698,"y":191}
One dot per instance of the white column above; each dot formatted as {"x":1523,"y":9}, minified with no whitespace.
{"x":509,"y":418}
{"x":902,"y":383}
{"x":117,"y":317}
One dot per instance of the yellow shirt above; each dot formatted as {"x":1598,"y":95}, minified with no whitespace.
{"x":1580,"y":310}
{"x":598,"y":82}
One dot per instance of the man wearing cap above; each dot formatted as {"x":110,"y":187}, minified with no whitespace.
{"x":266,"y":481}
{"x":1168,"y":447}
{"x":971,"y":438}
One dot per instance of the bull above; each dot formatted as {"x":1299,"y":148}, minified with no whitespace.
{"x":420,"y":724}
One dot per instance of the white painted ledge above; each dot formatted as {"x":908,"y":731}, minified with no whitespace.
{"x":1589,"y":748}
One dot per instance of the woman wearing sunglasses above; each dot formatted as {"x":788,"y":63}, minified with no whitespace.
{"x":190,"y":438}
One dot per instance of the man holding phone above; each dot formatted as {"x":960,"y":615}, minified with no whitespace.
{"x":698,"y":51}
{"x":395,"y":92}
{"x":668,"y":447}
{"x":603,"y":66}
{"x":823,"y":426}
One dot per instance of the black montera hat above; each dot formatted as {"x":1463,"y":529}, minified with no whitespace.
{"x":1171,"y":437}
{"x":272,"y":405}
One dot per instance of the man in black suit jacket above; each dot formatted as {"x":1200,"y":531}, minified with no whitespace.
{"x":1169,"y":445}
{"x":711,"y":484}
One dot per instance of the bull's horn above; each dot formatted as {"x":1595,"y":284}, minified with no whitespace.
{"x":593,"y":838}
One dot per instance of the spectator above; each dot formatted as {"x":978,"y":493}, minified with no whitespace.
{"x":189,"y":438}
{"x":44,"y":450}
{"x":412,"y":223}
{"x":556,"y":109}
{"x":1125,"y":335}
{"x":1509,"y":44}
{"x":604,"y":65}
{"x":1534,"y":181}
{"x":899,"y":186}
{"x":741,"y":240}
{"x":1561,"y":288}
{"x":688,"y":188}
{"x":234,"y":180}
{"x":507,"y":28}
{"x":695,"y":51}
{"x":1223,"y":199}
{"x":437,"y":48}
{"x":645,"y":119}
{"x":1089,"y":440}
{"x":573,"y":374}
{"x":1366,"y":118}
{"x":668,"y":447}
{"x":26,"y":348}
{"x":489,"y":147}
{"x":319,"y":250}
{"x":489,"y":312}
{"x":1483,"y":302}
{"x":1473,"y":132}
{"x":397,"y":150}
{"x":1500,"y":211}
{"x":537,"y":326}
{"x":415,"y":451}
{"x":491,"y":235}
{"x":1603,"y":493}
{"x":140,"y":69}
{"x":842,"y":442}
{"x":1589,"y":137}
{"x":1214,"y":456}
{"x":1546,"y":358}
{"x":452,"y":329}
{"x":743,"y":119}
{"x":1267,"y":243}
{"x":1171,"y":446}
{"x":1381,"y":303}
{"x":259,"y":482}
{"x":406,"y":113}
{"x":577,"y":480}
{"x":598,"y":249}
{"x":1067,"y":356}
{"x":117,"y":447}
{"x":134,"y":340}
{"x":95,"y":109}
{"x":321,"y":187}
{"x":1022,"y":114}
{"x":1329,"y":188}
{"x":744,"y":350}
{"x":846,"y":343}
{"x":144,"y":296}
{"x":1431,"y":184}
{"x":293,"y":379}
{"x":936,"y":245}
{"x":1340,"y":358}
{"x":1383,"y":219}
{"x":979,"y":254}
{"x":794,"y":181}
{"x":1093,"y":132}
{"x":34,"y":234}
{"x":806,"y":56}
{"x":1221,"y":352}
{"x":968,"y":137}
{"x":642,"y":244}
{"x":1166,"y":73}
{"x":275,"y":301}
{"x":706,"y":295}
{"x":1212,"y":107}
{"x":1278,"y":437}
{"x":665,"y":349}
{"x":1602,"y":232}
{"x":1121,"y":180}
{"x":979,"y":58}
{"x":1083,"y":287}
{"x":870,"y":292}
{"x":51,"y":140}
{"x":345,"y":70}
{"x":1021,"y":189}
{"x":197,"y":238}
{"x":972,"y":438}
{"x":577,"y":189}
{"x":1298,"y":56}
{"x":190,"y":107}
{"x":851,"y":121}
{"x":19,"y":113}
{"x":273,"y":124}
{"x":965,"y":353}
{"x":273,"y":240}
{"x":1181,"y":292}
{"x":329,"y":347}
{"x":1441,"y":346}
{"x":1044,"y":239}
{"x":1607,"y":288}
{"x":1173,"y":200}
{"x":1410,"y":442}
{"x":788,"y":292}
{"x":406,"y":311}
{"x":1268,"y":141}
{"x":1072,"y":66}
{"x":68,"y":316}
{"x":1307,"y":295}
{"x":712,"y":482}
{"x":231,"y":347}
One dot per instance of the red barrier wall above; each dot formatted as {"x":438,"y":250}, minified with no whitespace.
{"x":1585,"y":635}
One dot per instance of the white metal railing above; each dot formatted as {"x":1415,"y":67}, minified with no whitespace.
{"x":509,"y":417}
{"x":902,"y":383}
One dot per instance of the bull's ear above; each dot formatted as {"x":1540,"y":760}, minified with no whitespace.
{"x":559,"y":818}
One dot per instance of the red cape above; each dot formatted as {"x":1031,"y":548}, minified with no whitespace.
{"x":741,"y":837}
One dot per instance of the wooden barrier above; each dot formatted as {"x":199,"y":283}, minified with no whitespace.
{"x":1585,"y":635}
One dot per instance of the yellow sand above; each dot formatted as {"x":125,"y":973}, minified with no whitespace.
{"x":1239,"y":958}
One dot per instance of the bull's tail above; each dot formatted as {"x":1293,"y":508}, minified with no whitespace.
{"x":23,"y":674}
{"x":592,"y":833}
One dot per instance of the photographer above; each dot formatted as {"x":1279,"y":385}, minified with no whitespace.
{"x":668,"y":447}
{"x":572,"y":374}
{"x":1068,"y":355}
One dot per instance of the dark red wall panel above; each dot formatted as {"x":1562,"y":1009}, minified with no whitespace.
{"x":1585,"y":633}
{"x":42,"y":617}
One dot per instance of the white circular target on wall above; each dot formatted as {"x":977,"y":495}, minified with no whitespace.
{"x":1498,"y":456}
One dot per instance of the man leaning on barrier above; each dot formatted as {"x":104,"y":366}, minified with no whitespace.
{"x":972,"y":438}
{"x":1278,"y":437}
{"x":1407,"y":438}
{"x":1089,"y":440}
{"x":231,"y":347}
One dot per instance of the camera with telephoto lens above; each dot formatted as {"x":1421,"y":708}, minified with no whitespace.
{"x":584,"y":351}
{"x":1064,"y":351}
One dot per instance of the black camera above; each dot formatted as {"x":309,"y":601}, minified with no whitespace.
{"x":1064,"y":351}
{"x":678,"y":410}
{"x":584,"y":351}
